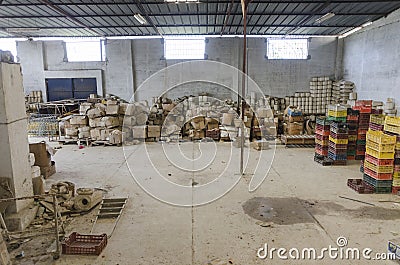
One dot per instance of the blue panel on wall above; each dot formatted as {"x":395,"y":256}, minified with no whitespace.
{"x":83,"y":87}
{"x":59,"y":88}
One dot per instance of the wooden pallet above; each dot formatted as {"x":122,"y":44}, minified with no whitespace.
{"x":298,"y":139}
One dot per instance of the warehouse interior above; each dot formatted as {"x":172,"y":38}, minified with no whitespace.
{"x":199,"y":132}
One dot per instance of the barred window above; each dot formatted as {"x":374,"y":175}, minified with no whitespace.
{"x":184,"y":47}
{"x":287,"y":49}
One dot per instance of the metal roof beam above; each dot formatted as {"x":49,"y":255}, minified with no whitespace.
{"x":190,"y":25}
{"x":202,"y":14}
{"x":87,"y":3}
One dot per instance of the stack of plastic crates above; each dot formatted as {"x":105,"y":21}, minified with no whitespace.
{"x":337,"y":113}
{"x":338,"y":140}
{"x":352,"y":122}
{"x":379,"y":161}
{"x":322,"y":131}
{"x":392,"y":127}
{"x":376,"y":122}
{"x":365,"y":108}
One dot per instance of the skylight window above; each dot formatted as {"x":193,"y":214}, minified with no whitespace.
{"x":287,"y":49}
{"x":184,"y":47}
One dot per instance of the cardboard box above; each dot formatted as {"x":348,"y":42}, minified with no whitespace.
{"x":153,"y":131}
{"x":83,"y":135}
{"x":122,"y":108}
{"x":296,"y":119}
{"x":294,"y":128}
{"x":42,"y":156}
{"x":227,"y":118}
{"x":168,"y":107}
{"x":49,"y":170}
{"x":84,"y":107}
{"x":78,"y":120}
{"x":112,"y":109}
{"x":139,"y":132}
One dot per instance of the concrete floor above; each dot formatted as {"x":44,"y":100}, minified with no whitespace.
{"x":300,"y":198}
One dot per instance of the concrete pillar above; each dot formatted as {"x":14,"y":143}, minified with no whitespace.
{"x":14,"y":148}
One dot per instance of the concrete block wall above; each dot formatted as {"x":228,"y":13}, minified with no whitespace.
{"x":372,"y":59}
{"x":130,"y":62}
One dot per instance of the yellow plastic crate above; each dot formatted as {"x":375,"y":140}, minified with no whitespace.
{"x":392,"y":128}
{"x":338,"y":141}
{"x":353,"y":138}
{"x":379,"y":155}
{"x":396,"y":182}
{"x":378,"y":169}
{"x":380,"y":137}
{"x":396,"y":175}
{"x":322,"y":142}
{"x":337,"y":114}
{"x":380,"y":147}
{"x":377,"y":119}
{"x":392,"y":120}
{"x":397,"y":147}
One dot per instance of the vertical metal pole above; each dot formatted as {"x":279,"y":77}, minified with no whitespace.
{"x":57,"y":254}
{"x":244,"y":9}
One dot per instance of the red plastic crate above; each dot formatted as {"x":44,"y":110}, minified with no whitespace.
{"x":378,"y":176}
{"x":379,"y":162}
{"x":321,"y":137}
{"x":363,"y":103}
{"x":77,"y":244}
{"x":360,"y":186}
{"x":322,"y":132}
{"x":396,"y":190}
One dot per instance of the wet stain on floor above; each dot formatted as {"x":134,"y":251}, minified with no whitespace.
{"x":292,"y":210}
{"x":284,"y":211}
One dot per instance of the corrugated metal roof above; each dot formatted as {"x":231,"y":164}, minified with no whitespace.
{"x":46,"y":18}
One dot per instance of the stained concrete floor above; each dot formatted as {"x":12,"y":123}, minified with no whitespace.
{"x":300,"y":197}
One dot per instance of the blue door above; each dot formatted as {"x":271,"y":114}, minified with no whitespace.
{"x":59,"y":88}
{"x":68,"y":88}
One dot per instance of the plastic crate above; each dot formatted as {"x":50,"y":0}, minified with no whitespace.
{"x":375,"y":127}
{"x":379,"y":162}
{"x":322,"y":132}
{"x":380,"y":137}
{"x":377,"y":183}
{"x":77,"y":244}
{"x":360,"y":186}
{"x":352,"y":118}
{"x":363,"y":109}
{"x":352,"y":138}
{"x":351,"y":157}
{"x":363,"y":103}
{"x":361,"y":142}
{"x":379,"y":155}
{"x":383,"y":190}
{"x":334,"y":156}
{"x":351,"y":112}
{"x":396,"y":182}
{"x":378,"y":169}
{"x":360,"y":157}
{"x":322,"y":127}
{"x":396,"y":190}
{"x":392,"y":120}
{"x":377,"y":119}
{"x":338,"y":141}
{"x":322,"y":142}
{"x":336,"y":119}
{"x":337,"y":114}
{"x":380,"y":147}
{"x":339,"y":135}
{"x":324,"y":161}
{"x":378,"y":176}
{"x":322,"y":121}
{"x":322,"y":152}
{"x":360,"y":153}
{"x":392,"y":128}
{"x":321,"y":137}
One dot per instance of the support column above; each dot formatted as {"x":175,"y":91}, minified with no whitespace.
{"x":15,"y":171}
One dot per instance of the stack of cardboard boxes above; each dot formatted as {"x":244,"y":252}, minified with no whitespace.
{"x":294,"y":121}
